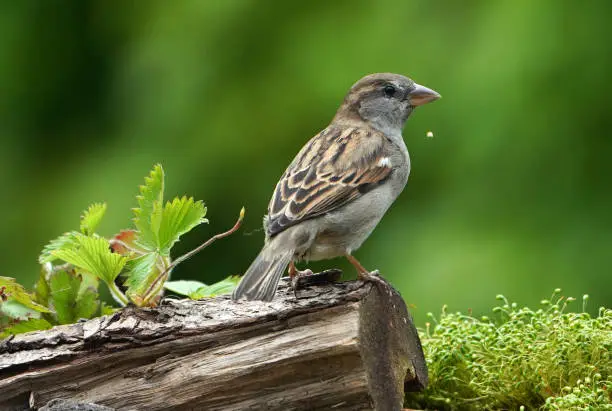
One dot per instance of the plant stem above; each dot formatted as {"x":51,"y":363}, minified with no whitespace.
{"x":158,"y":284}
{"x":186,"y":256}
{"x":117,"y":294}
{"x":211,"y":240}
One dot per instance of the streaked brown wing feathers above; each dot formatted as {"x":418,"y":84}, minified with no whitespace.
{"x":334,"y":168}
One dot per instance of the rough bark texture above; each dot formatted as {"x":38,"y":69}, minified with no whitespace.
{"x":344,"y":346}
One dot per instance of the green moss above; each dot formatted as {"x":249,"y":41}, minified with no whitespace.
{"x":547,"y":359}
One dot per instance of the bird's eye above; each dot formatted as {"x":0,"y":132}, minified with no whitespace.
{"x":389,"y":90}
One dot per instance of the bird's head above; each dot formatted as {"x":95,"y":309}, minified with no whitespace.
{"x":384,"y":100}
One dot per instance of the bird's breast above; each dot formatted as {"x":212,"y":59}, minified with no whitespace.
{"x":400,"y":160}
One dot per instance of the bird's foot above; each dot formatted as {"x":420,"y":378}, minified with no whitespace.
{"x":371,"y":276}
{"x":307,"y":279}
{"x":374,"y":278}
{"x":295,"y":279}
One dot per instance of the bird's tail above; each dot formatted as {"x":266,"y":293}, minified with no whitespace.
{"x":262,"y":277}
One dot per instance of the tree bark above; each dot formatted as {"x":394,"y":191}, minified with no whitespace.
{"x":342,"y":346}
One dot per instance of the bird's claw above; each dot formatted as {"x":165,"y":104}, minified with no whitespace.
{"x":295,"y":280}
{"x":372,"y":276}
{"x":294,"y":284}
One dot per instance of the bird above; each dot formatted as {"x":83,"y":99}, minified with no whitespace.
{"x":339,"y":185}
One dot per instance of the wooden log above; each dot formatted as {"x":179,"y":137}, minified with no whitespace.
{"x":342,"y":346}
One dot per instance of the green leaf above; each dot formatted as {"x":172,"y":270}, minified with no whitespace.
{"x":12,"y":290}
{"x":160,"y":226}
{"x":178,"y":218}
{"x":184,"y":287}
{"x":92,"y":254}
{"x":196,"y":290}
{"x":66,"y":241}
{"x":147,"y":216}
{"x":89,"y":281}
{"x":15,"y":310}
{"x":106,"y":309}
{"x":33,"y":324}
{"x":141,"y":272}
{"x":87,"y":303}
{"x":72,"y":297}
{"x":64,"y":290}
{"x":91,"y":218}
{"x":41,"y":289}
{"x":225,"y":286}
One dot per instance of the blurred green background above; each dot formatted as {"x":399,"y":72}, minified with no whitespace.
{"x":513,"y":195}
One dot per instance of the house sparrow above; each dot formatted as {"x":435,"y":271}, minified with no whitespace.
{"x":339,"y":185}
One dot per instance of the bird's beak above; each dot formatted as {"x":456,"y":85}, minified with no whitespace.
{"x":422,"y":95}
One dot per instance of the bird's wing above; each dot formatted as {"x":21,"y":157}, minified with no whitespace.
{"x":335,"y":167}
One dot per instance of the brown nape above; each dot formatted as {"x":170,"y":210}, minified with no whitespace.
{"x":349,"y":110}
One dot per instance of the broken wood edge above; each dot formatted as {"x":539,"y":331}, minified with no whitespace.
{"x":391,"y":347}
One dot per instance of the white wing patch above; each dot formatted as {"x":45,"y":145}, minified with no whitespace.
{"x":384,"y":162}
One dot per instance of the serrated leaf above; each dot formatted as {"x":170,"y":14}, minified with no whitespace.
{"x":15,"y":310}
{"x":184,"y":287}
{"x":65,"y":241}
{"x":148,"y":214}
{"x":141,"y":272}
{"x":225,"y":286}
{"x":125,"y":242}
{"x":92,"y":255}
{"x":87,"y":303}
{"x":33,"y":324}
{"x":72,"y":297}
{"x":64,"y":288}
{"x":91,"y":218}
{"x":178,"y":218}
{"x":15,"y":291}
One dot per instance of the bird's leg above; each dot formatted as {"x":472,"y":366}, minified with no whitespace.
{"x":362,"y":273}
{"x":360,"y":269}
{"x":295,"y":275}
{"x":294,"y":272}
